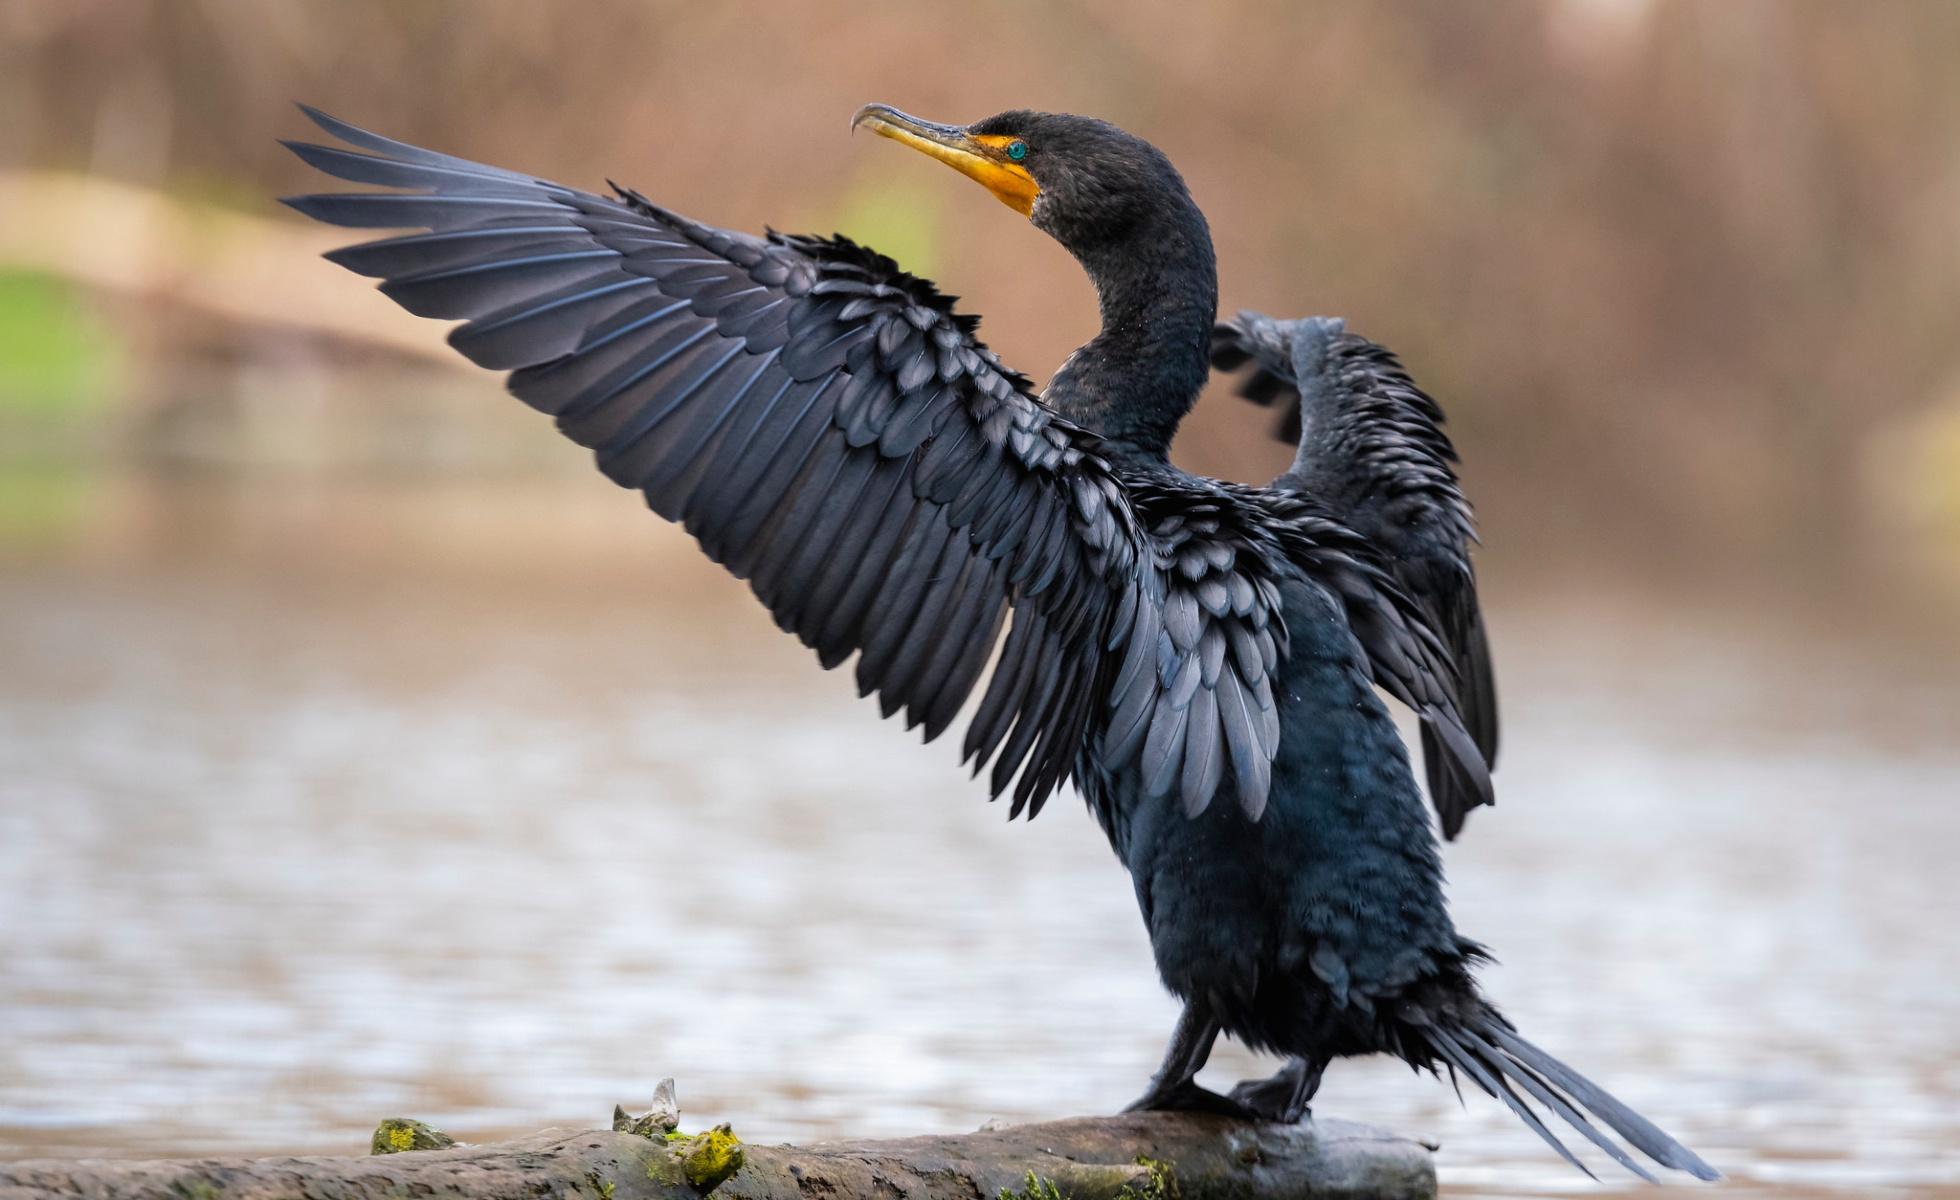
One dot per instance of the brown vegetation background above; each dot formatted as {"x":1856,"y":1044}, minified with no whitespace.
{"x":1686,"y":275}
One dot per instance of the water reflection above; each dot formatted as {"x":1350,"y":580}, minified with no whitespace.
{"x":493,"y":804}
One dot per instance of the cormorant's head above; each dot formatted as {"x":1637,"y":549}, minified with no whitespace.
{"x":1115,"y":203}
{"x":1084,"y":182}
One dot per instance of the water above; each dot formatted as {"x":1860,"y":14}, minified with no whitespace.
{"x":491,"y":805}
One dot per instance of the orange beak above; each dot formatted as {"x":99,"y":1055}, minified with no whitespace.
{"x":983,"y":159}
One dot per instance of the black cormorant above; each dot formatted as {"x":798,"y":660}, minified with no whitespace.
{"x":1372,"y":447}
{"x":1198,"y":657}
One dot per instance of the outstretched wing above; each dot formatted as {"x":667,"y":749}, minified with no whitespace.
{"x":1201,"y":701}
{"x":823,"y":423}
{"x":1373,"y":453}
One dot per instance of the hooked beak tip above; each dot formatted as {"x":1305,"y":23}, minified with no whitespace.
{"x":867,"y":114}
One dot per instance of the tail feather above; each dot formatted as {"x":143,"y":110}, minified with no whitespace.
{"x":1543,"y":1092}
{"x":1500,"y":1062}
{"x":1463,"y":1057}
{"x":1642,"y":1133}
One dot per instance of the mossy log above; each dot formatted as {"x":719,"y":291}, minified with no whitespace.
{"x":1144,"y":1156}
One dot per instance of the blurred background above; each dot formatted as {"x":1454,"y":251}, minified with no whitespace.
{"x":362,"y":752}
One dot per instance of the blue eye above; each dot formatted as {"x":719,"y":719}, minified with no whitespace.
{"x":1017,"y":149}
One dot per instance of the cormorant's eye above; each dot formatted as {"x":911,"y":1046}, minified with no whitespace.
{"x":1017,"y":149}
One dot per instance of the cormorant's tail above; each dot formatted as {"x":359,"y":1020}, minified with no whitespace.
{"x":1496,"y":1059}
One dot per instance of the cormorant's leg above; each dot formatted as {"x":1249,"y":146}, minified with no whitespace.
{"x":1286,"y":1096}
{"x":1174,"y":1087}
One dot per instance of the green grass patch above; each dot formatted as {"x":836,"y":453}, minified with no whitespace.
{"x":58,"y":358}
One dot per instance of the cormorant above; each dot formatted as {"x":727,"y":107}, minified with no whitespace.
{"x":1197,"y":656}
{"x":1372,"y":446}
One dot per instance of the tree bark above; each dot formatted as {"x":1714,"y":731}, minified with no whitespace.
{"x":1142,"y":1156}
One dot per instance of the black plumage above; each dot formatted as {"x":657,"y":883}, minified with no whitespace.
{"x":1373,"y":450}
{"x":1197,"y":657}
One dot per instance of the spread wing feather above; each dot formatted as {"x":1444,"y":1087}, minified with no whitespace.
{"x":829,"y":429}
{"x":1373,"y":456}
{"x":825,"y":425}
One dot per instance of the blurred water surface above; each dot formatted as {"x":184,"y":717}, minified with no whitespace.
{"x":492,"y":804}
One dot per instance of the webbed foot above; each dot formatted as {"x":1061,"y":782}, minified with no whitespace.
{"x":1284,"y":1097}
{"x":1189,"y":1097}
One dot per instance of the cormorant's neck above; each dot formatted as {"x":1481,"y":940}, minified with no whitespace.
{"x":1135,"y":380}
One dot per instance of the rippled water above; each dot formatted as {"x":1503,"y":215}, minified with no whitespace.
{"x":492,"y":806}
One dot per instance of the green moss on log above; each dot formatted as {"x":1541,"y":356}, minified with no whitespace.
{"x":710,"y":1158}
{"x":398,"y":1134}
{"x":1162,"y":1184}
{"x":1035,"y":1187}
